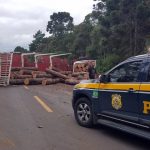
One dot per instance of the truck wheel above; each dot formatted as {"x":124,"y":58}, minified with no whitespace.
{"x":83,"y":112}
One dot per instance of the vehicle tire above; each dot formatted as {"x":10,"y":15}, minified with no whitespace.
{"x":83,"y":112}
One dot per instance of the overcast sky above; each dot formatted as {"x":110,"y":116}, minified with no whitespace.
{"x":20,"y":19}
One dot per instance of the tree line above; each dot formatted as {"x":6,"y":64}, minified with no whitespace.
{"x":112,"y":32}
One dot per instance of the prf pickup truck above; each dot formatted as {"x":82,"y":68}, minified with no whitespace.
{"x":120,"y":98}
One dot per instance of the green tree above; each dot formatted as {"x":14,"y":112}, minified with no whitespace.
{"x":94,"y":49}
{"x":82,"y":39}
{"x":60,"y":24}
{"x":37,"y":43}
{"x":113,"y":31}
{"x":20,"y":49}
{"x":63,"y":44}
{"x":123,"y":26}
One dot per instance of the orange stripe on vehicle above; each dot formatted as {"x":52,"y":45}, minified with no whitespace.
{"x":109,"y":86}
{"x":145,"y":87}
{"x":87,"y":85}
{"x":124,"y":86}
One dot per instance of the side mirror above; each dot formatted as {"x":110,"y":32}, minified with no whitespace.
{"x":104,"y":78}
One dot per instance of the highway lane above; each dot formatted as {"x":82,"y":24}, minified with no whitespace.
{"x":41,"y":118}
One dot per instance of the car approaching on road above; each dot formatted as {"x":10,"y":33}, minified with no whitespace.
{"x":119,"y":99}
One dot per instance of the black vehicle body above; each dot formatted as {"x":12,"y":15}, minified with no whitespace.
{"x":120,"y":98}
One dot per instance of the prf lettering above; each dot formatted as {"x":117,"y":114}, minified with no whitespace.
{"x":146,"y":107}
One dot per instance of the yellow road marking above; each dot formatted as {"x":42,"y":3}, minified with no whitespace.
{"x":42,"y":103}
{"x":10,"y":142}
{"x":6,"y":142}
{"x":26,"y":87}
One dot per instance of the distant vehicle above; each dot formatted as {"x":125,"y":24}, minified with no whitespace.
{"x":119,"y":99}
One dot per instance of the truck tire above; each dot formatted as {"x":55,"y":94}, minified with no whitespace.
{"x":83,"y":112}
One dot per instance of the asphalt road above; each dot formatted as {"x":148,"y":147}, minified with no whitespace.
{"x":41,"y":118}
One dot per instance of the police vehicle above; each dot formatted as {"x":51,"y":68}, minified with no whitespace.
{"x":119,"y":99}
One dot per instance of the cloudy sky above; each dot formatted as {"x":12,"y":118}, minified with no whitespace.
{"x":20,"y":19}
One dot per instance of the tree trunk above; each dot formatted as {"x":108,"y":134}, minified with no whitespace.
{"x":22,"y":76}
{"x":56,"y":69}
{"x":50,"y":81}
{"x":42,"y":76}
{"x":57,"y":74}
{"x":25,"y":72}
{"x":66,"y":72}
{"x":33,"y":81}
{"x":16,"y":81}
{"x":14,"y":74}
{"x":38,"y":72}
{"x":76,"y":74}
{"x":23,"y":68}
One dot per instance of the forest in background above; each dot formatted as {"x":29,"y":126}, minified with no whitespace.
{"x":112,"y":32}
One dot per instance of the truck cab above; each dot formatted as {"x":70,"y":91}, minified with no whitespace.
{"x":119,"y":99}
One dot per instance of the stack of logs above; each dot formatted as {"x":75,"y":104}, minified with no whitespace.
{"x":31,"y":76}
{"x":81,"y":67}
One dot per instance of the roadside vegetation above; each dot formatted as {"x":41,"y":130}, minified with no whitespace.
{"x":112,"y":32}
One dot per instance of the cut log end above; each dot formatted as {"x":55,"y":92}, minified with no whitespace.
{"x":44,"y":82}
{"x":26,"y":81}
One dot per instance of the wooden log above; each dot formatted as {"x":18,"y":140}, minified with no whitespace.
{"x":83,"y":77}
{"x":87,"y":65}
{"x":66,"y":72}
{"x":76,"y":74}
{"x":87,"y":68}
{"x":23,"y":68}
{"x":33,"y":81}
{"x":50,"y":81}
{"x":76,"y":69}
{"x":86,"y":76}
{"x":14,"y":74}
{"x":57,"y":74}
{"x":69,"y":75}
{"x":25,"y":72}
{"x":84,"y":69}
{"x":38,"y":72}
{"x":80,"y":77}
{"x":42,"y":76}
{"x":31,"y":68}
{"x":22,"y":76}
{"x":76,"y":66}
{"x":72,"y":81}
{"x":11,"y":76}
{"x":79,"y":65}
{"x":16,"y":81}
{"x":82,"y":65}
{"x":80,"y":70}
{"x":15,"y":68}
{"x":56,"y":69}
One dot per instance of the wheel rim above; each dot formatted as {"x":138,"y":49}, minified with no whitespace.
{"x":83,"y":112}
